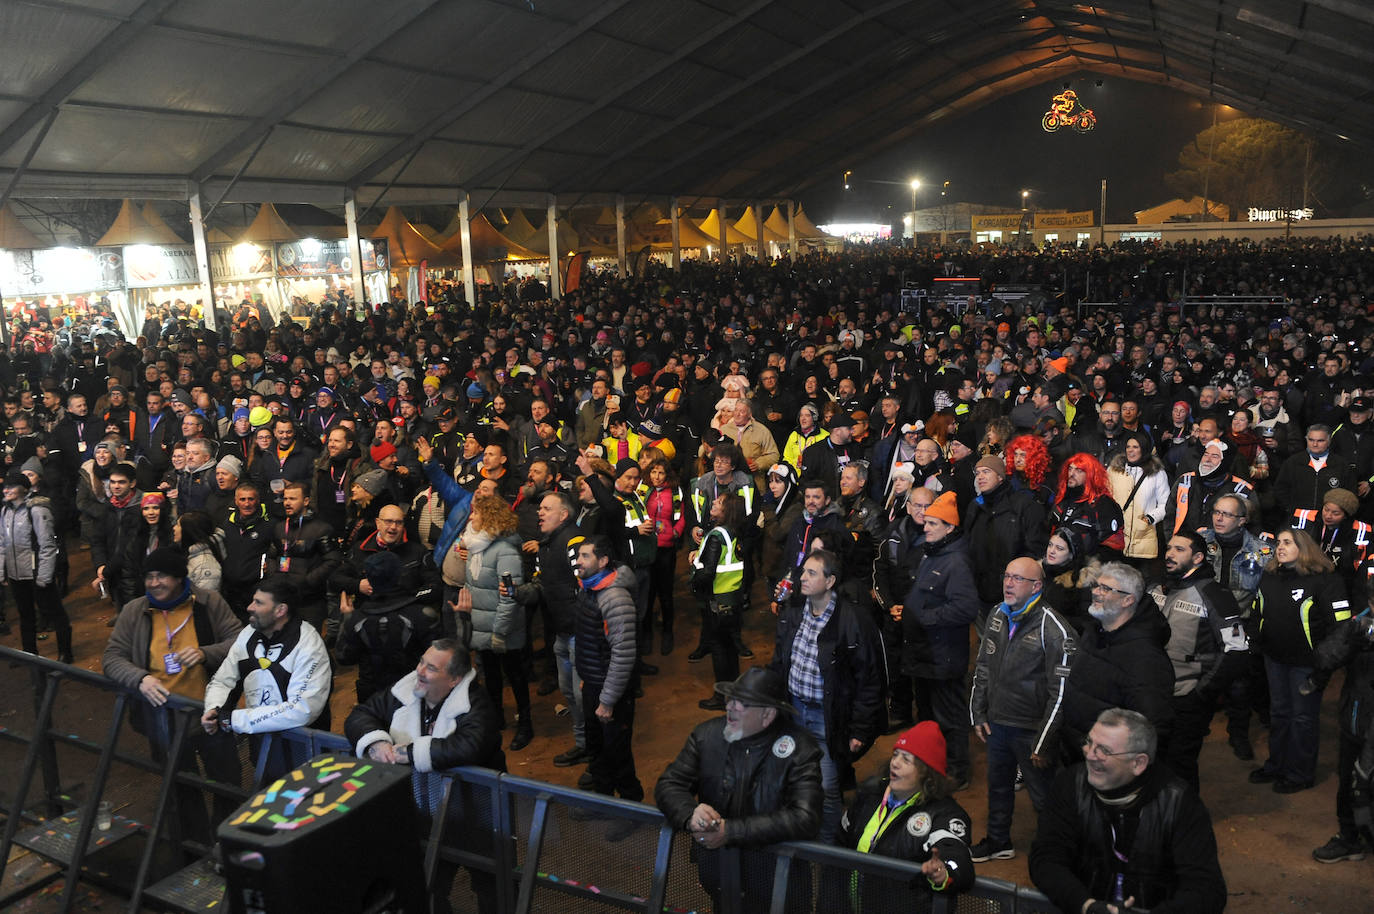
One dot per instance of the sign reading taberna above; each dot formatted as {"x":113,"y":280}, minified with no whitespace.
{"x":149,"y":266}
{"x":329,"y":256}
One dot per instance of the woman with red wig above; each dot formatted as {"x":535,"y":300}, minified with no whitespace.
{"x":1084,"y":501}
{"x":1028,"y":467}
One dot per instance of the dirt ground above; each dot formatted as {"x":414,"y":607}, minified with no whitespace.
{"x":1265,"y":839}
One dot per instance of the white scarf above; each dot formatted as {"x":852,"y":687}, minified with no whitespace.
{"x":476,"y":542}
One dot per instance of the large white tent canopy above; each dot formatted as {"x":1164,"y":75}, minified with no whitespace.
{"x":512,"y":100}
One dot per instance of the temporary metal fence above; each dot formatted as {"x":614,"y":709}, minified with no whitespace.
{"x":532,"y":845}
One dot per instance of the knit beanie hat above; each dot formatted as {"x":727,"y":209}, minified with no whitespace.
{"x":945,"y":508}
{"x":167,"y":560}
{"x":925,"y":741}
{"x":992,"y":462}
{"x":372,"y":482}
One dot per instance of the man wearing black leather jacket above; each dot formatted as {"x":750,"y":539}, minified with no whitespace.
{"x":750,"y":778}
{"x":1121,"y":832}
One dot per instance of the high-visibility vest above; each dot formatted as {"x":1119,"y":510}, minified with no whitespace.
{"x":729,"y":569}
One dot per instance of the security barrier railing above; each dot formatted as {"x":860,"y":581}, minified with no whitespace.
{"x":540,"y":846}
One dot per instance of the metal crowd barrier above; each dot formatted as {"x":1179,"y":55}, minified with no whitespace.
{"x":543,"y":847}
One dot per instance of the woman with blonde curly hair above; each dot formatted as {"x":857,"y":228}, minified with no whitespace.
{"x":492,"y":546}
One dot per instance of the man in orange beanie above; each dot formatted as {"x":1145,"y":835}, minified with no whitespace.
{"x":935,"y":616}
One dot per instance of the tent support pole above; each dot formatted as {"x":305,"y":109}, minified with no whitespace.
{"x":465,"y":230}
{"x":207,"y":282}
{"x":620,"y":234}
{"x":677,"y":236}
{"x":28,"y":157}
{"x":720,"y":222}
{"x":355,"y":248}
{"x":792,"y":229}
{"x":555,"y":281}
{"x":758,"y":228}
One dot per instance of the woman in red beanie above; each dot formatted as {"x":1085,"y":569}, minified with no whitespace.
{"x":909,"y":814}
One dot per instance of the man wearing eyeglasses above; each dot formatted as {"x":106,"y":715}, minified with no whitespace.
{"x":1016,"y":706}
{"x":1237,"y":559}
{"x":1121,"y":832}
{"x":1120,"y":660}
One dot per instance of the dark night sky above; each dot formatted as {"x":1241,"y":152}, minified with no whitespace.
{"x":991,"y":153}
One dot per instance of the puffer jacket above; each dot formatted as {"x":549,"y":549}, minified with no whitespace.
{"x":1021,"y":680}
{"x":28,"y":541}
{"x":605,"y":632}
{"x":939,"y":607}
{"x":498,"y":622}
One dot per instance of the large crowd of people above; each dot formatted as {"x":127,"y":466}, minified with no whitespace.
{"x":1076,"y":533}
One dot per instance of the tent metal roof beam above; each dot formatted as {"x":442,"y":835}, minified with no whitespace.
{"x":817,"y":86}
{"x":630,"y":85}
{"x":402,"y":13}
{"x":694,"y":98}
{"x":104,"y":51}
{"x":377,"y":166}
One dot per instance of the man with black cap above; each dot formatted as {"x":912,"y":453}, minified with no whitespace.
{"x":824,"y":459}
{"x":745,"y":780}
{"x":167,"y":642}
{"x":29,"y":552}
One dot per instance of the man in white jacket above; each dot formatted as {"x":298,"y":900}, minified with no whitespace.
{"x":281,"y":667}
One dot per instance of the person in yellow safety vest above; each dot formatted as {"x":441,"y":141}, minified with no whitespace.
{"x":718,"y":581}
{"x":726,"y":476}
{"x":807,"y":433}
{"x":622,"y":442}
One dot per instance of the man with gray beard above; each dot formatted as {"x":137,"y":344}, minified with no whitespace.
{"x":750,"y":778}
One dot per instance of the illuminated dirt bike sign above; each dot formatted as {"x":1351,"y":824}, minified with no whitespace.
{"x":1067,"y":111}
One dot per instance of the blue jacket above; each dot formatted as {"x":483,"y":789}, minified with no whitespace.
{"x":459,"y":501}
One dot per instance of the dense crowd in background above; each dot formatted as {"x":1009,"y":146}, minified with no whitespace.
{"x":1015,"y":515}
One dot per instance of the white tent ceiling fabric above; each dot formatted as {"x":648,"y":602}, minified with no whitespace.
{"x":731,"y":98}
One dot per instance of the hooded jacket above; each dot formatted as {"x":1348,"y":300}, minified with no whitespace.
{"x":1124,"y":668}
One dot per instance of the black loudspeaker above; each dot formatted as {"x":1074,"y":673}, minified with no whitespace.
{"x":337,"y":834}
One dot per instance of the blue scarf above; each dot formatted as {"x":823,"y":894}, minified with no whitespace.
{"x":1015,"y":616}
{"x":591,"y":582}
{"x":173,"y":603}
